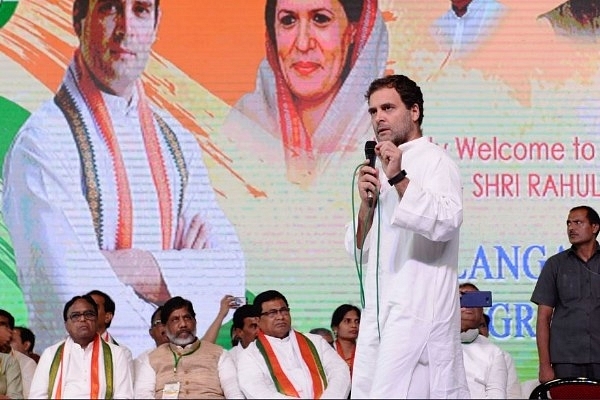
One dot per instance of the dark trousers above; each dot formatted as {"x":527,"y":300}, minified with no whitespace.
{"x":564,"y":370}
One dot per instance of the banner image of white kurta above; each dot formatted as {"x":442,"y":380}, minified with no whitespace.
{"x":56,"y":246}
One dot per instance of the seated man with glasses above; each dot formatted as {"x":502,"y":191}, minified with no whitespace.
{"x":83,"y":365}
{"x":284,"y":362}
{"x":185,"y":367}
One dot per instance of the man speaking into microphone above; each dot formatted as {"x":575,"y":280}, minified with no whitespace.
{"x":409,"y":342}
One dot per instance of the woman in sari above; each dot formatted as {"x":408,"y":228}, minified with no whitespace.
{"x":320,"y":57}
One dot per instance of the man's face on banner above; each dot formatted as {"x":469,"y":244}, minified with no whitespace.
{"x":116,"y":39}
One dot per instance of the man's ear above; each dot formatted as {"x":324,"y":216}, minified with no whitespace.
{"x":108,"y":317}
{"x":27,"y":345}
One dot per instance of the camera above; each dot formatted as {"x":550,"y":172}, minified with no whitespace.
{"x":239,"y":301}
{"x":474,"y":299}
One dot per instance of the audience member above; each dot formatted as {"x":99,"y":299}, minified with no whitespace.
{"x":83,"y":365}
{"x":513,"y":386}
{"x":157,"y":330}
{"x":26,"y":364}
{"x":227,"y":303}
{"x":484,"y":363}
{"x":324,"y":333}
{"x":283,"y":362}
{"x":568,"y":298}
{"x":106,"y":313}
{"x":10,"y":372}
{"x":245,"y":328}
{"x":10,"y":378}
{"x":345,"y":323}
{"x":186,"y":367}
{"x":23,"y":340}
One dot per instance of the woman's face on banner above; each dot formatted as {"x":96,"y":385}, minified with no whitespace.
{"x":116,"y":39}
{"x":313,"y":39}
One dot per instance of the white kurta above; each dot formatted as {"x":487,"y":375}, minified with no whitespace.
{"x":461,"y":35}
{"x":27,"y":366}
{"x":55,"y":244}
{"x":235,"y":352}
{"x":256,"y":382}
{"x":76,"y":369}
{"x":513,"y":386}
{"x":412,"y":315}
{"x":486,"y":369}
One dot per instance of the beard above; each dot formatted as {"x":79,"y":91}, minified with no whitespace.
{"x":182,"y":341}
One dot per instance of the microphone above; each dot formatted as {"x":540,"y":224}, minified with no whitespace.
{"x":370,"y":154}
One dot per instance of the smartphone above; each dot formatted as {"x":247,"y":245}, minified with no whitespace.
{"x":239,"y":301}
{"x":481,"y":298}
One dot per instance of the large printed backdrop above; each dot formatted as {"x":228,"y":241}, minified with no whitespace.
{"x":518,"y":113}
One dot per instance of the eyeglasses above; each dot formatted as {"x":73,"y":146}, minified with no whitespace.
{"x":285,"y":311}
{"x":87,"y":315}
{"x":158,"y":322}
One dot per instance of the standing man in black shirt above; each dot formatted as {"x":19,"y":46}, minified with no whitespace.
{"x":568,"y":297}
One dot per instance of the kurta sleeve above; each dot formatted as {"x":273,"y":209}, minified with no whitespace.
{"x":123,"y":376}
{"x":495,"y":387}
{"x":144,"y":385}
{"x":432,"y":203}
{"x":228,"y":377}
{"x":40,"y":382}
{"x":12,"y":371}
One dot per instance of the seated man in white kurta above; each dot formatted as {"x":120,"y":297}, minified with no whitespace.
{"x":83,"y":365}
{"x":283,"y":363}
{"x":485,"y":367}
{"x":102,"y":191}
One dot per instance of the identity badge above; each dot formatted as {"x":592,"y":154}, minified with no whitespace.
{"x":171,"y":390}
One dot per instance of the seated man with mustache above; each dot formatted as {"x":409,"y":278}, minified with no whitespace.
{"x":185,"y":367}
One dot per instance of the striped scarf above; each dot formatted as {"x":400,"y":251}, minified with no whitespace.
{"x":311,"y":359}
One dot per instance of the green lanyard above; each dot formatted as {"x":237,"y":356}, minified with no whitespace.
{"x":176,"y":359}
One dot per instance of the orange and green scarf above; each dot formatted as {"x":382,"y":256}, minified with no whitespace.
{"x":309,"y":355}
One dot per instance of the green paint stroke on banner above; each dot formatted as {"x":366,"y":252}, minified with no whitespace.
{"x":12,"y":117}
{"x":7,"y":9}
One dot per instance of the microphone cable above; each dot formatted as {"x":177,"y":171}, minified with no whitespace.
{"x":358,"y":256}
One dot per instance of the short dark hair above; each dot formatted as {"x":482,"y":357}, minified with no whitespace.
{"x":338,"y":315}
{"x":175,"y":303}
{"x":243,"y":312}
{"x":156,"y":313}
{"x":85,"y":297}
{"x":9,"y":317}
{"x":80,"y":10}
{"x":27,"y":335}
{"x":321,"y":331}
{"x":468,"y":284}
{"x":109,"y":304}
{"x":267,"y":296}
{"x":410,"y":93}
{"x":592,"y":215}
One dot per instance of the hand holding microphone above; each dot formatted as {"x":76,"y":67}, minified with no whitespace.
{"x":370,"y":155}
